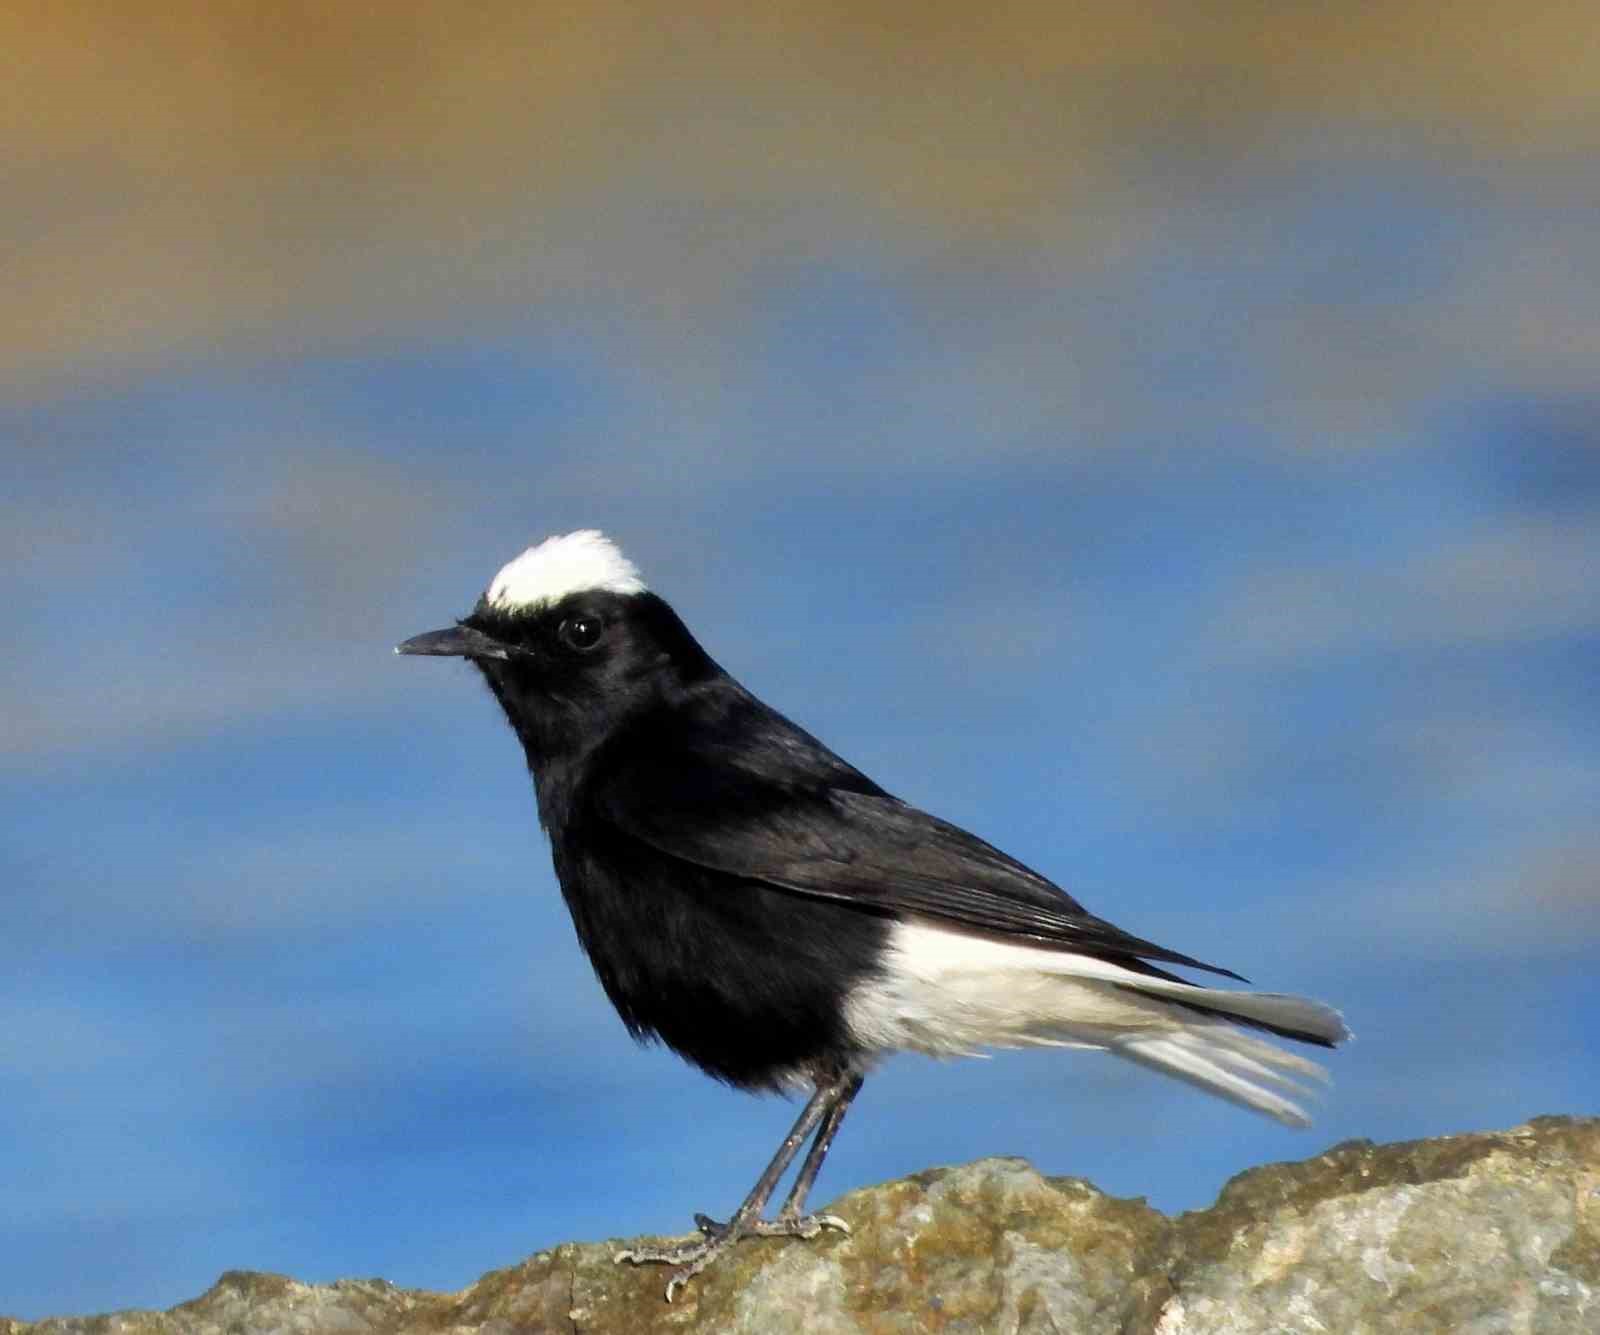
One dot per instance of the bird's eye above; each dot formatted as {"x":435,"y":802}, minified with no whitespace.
{"x":581,"y":632}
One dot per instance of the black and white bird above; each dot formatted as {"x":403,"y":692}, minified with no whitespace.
{"x":778,"y":919}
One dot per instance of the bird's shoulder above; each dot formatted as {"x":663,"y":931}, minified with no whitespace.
{"x":717,"y":743}
{"x":724,"y":780}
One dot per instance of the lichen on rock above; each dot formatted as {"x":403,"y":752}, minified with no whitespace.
{"x":1498,"y":1231}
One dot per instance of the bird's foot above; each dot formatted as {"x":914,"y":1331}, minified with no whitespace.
{"x":785,"y":1224}
{"x":797,"y":1226}
{"x":691,"y":1258}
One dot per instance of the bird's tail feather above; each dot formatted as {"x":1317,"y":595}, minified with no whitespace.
{"x":1278,"y":1012}
{"x":1234,"y":1065}
{"x":949,"y":993}
{"x":1205,"y":1049}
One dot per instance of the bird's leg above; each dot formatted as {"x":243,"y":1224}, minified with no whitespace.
{"x":789,"y":1222}
{"x":825,"y":1107}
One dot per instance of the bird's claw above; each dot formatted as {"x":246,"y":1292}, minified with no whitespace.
{"x":805,"y":1226}
{"x":690,"y":1258}
{"x":693,"y":1257}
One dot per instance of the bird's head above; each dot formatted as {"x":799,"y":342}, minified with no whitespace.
{"x":571,"y":642}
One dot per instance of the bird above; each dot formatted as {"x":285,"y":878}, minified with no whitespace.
{"x":778,"y":919}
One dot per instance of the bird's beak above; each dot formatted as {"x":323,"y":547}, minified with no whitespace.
{"x":457,"y":642}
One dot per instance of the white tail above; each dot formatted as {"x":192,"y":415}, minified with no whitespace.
{"x":948,"y":993}
{"x":1234,"y":1065}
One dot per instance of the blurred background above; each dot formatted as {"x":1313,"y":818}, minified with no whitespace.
{"x":1160,"y":437}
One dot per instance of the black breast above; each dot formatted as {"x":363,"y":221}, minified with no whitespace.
{"x":744,"y":980}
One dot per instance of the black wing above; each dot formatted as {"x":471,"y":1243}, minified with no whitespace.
{"x":726,"y":783}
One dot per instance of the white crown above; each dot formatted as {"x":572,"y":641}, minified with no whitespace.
{"x":572,"y":563}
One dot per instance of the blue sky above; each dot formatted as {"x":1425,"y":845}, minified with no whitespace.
{"x":1233,"y":564}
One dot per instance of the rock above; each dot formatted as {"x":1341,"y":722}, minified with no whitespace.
{"x":1482,"y":1233}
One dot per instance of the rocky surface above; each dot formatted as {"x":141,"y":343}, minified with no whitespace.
{"x":1481,"y":1233}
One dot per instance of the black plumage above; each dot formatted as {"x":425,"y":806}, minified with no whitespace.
{"x":730,"y":971}
{"x":763,"y":908}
